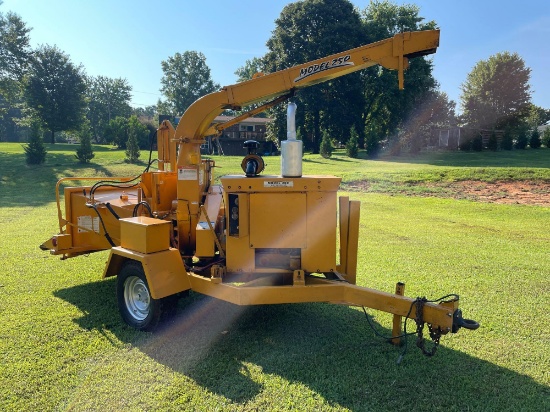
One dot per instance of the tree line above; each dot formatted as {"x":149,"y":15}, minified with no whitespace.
{"x":43,"y":90}
{"x":43,"y":93}
{"x":368,"y":108}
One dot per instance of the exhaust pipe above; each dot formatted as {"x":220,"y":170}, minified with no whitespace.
{"x":291,"y":149}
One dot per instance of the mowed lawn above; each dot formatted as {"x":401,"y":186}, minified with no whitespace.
{"x":63,"y":345}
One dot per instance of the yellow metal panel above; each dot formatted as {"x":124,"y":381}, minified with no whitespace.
{"x":63,"y":242}
{"x":205,"y":241}
{"x":90,"y":234}
{"x":144,"y":234}
{"x":320,"y":254}
{"x":163,"y":191}
{"x":278,"y":220}
{"x":239,"y":255}
{"x":278,"y":184}
{"x":165,"y":271}
{"x":344,"y":227}
{"x":353,"y":241}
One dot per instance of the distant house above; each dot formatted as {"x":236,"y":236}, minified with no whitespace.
{"x":452,"y":137}
{"x":232,"y":140}
{"x":543,"y":127}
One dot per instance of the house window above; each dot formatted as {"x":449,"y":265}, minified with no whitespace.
{"x":244,"y":128}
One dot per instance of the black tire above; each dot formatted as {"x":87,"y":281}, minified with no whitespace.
{"x":137,"y":308}
{"x":170,"y":305}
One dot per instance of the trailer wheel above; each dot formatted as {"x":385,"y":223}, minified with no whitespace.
{"x":136,"y":306}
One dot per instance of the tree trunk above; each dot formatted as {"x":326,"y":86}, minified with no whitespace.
{"x":52,"y":138}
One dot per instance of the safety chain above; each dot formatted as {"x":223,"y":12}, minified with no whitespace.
{"x":435,"y":334}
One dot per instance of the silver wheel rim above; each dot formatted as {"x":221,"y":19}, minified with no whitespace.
{"x":137,"y":298}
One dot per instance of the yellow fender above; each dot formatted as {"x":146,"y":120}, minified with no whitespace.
{"x":165,"y":271}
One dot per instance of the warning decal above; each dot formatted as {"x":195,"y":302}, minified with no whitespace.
{"x":88,"y":223}
{"x":187,"y":173}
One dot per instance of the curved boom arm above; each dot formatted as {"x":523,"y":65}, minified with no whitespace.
{"x":392,"y":53}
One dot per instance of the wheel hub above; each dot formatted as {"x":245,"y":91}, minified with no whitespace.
{"x":137,"y":298}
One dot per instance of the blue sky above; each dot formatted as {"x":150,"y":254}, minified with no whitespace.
{"x":129,"y":39}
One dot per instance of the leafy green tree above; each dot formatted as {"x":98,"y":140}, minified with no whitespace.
{"x":522,"y":138}
{"x":496,"y":93}
{"x":466,"y":138}
{"x":250,"y":69}
{"x":186,"y":78}
{"x":35,"y":152}
{"x":132,"y":149}
{"x":492,"y":144}
{"x":15,"y":56}
{"x":15,"y":53}
{"x":477,"y":143}
{"x":352,"y":146}
{"x":507,"y":142}
{"x":85,"y":153}
{"x":140,"y":130}
{"x":535,"y":140}
{"x":55,"y":90}
{"x":116,"y":132}
{"x":387,"y":107}
{"x":132,"y":145}
{"x":326,"y":148}
{"x":308,"y":30}
{"x":432,"y":110}
{"x":373,"y":136}
{"x":147,"y":112}
{"x":546,"y":137}
{"x":537,"y":115}
{"x":107,"y":99}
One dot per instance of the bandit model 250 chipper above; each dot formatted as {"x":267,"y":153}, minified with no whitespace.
{"x":253,"y":239}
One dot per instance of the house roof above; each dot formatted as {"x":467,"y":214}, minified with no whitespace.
{"x":250,"y":120}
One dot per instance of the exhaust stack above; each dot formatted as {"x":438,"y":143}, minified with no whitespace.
{"x":291,"y":149}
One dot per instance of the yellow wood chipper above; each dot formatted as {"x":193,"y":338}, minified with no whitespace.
{"x":253,"y":239}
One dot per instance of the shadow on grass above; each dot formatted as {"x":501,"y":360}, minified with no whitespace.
{"x":327,"y":348}
{"x":34,"y":185}
{"x":334,"y":159}
{"x":66,"y":147}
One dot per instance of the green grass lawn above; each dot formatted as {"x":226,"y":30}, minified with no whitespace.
{"x":63,"y":345}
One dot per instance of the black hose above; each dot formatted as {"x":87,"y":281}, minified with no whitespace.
{"x":110,"y":208}
{"x":144,"y":204}
{"x":103,"y":224}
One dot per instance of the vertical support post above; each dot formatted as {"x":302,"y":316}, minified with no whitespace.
{"x":353,"y":241}
{"x":166,"y":146}
{"x":398,"y":46}
{"x":398,"y":320}
{"x":344,"y":223}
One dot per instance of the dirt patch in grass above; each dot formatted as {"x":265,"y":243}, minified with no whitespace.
{"x":506,"y":192}
{"x":522,"y":192}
